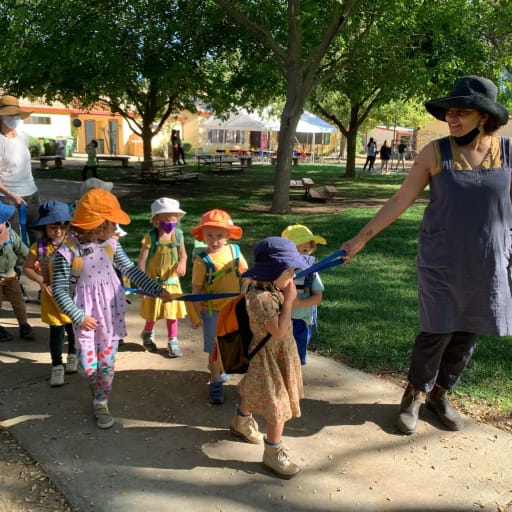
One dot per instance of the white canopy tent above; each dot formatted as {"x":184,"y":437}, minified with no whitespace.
{"x":239,"y":121}
{"x":308,"y":124}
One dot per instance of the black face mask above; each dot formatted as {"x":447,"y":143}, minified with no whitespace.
{"x":468,"y":138}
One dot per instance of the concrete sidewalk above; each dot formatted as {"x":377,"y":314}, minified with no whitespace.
{"x":169,"y":449}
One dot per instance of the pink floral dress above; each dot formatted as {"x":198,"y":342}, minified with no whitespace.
{"x":272,"y":386}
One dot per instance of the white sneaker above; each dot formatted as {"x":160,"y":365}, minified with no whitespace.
{"x":57,"y":377}
{"x":72,"y":363}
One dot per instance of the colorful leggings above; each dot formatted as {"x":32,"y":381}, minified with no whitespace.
{"x":96,"y":364}
{"x":172,"y":327}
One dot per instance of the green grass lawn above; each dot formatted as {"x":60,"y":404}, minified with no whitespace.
{"x":368,"y":318}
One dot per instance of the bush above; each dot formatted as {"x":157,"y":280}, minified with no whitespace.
{"x":187,"y":146}
{"x":49,"y":146}
{"x":34,"y":146}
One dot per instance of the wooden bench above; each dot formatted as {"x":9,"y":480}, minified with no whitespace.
{"x":295,"y":159}
{"x":163,"y":171}
{"x":123,"y":159}
{"x":303,"y":184}
{"x":220,"y":169}
{"x":324,"y":194}
{"x":57,"y":158}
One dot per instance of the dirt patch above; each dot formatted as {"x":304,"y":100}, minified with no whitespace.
{"x":24,"y":485}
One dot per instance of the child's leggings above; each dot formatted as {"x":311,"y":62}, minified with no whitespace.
{"x":57,"y":340}
{"x":96,"y":364}
{"x":172,"y":327}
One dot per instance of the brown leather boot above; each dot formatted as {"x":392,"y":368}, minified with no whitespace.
{"x":408,"y":411}
{"x":437,"y":401}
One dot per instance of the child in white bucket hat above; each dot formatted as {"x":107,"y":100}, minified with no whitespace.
{"x":164,"y":258}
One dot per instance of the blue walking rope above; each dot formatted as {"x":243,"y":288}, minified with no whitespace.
{"x":22,"y":214}
{"x":331,"y":261}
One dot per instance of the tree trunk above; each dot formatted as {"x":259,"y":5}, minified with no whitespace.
{"x":289,"y":121}
{"x":350,"y":170}
{"x":147,"y":137}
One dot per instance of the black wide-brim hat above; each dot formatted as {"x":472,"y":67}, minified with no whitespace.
{"x":470,"y":92}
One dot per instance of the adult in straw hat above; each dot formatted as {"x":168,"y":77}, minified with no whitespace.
{"x":17,"y":185}
{"x":464,"y":244}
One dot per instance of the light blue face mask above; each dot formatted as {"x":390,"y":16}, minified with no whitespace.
{"x":12,"y":122}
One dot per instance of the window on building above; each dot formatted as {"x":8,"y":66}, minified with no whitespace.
{"x":38,"y":120}
{"x":226,"y":136}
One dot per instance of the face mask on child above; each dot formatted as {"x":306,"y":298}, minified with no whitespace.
{"x":167,"y":226}
{"x":12,"y":122}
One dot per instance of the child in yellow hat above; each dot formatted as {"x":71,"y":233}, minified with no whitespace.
{"x":217,"y":269}
{"x":86,"y":288}
{"x":309,"y":288}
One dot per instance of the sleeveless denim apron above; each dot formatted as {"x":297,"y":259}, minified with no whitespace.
{"x":464,"y":275}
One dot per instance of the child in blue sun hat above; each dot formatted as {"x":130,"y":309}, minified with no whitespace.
{"x":53,"y":223}
{"x":12,"y":253}
{"x":272,"y":386}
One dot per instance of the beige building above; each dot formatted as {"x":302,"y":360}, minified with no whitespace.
{"x":437,"y":129}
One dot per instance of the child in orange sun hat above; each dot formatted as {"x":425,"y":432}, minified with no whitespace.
{"x":216,"y":269}
{"x":86,"y":288}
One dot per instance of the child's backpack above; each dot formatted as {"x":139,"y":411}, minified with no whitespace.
{"x":213,"y":275}
{"x":76,"y":264}
{"x":153,"y":234}
{"x":234,"y":336}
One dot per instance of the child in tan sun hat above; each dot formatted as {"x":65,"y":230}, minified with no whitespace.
{"x":216,"y":269}
{"x":309,"y":288}
{"x":86,"y":288}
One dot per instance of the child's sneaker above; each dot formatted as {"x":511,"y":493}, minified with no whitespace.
{"x":103,"y":417}
{"x":174,"y":347}
{"x":26,"y":332}
{"x":216,"y":393}
{"x":57,"y":376}
{"x":5,"y":335}
{"x":148,"y":340}
{"x":72,"y":363}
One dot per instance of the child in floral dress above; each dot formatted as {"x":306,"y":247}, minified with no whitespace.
{"x":87,"y":289}
{"x":164,"y":258}
{"x":272,"y":386}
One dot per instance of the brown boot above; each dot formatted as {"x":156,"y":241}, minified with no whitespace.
{"x":438,"y":403}
{"x":408,"y":411}
{"x":276,"y":459}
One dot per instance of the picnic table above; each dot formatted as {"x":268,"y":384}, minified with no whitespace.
{"x":219,"y":162}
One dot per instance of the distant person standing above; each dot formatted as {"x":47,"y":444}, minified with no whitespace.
{"x":92,"y":161}
{"x":371,"y":153}
{"x":401,"y":148}
{"x":181,"y":152}
{"x":17,"y":185}
{"x":175,"y":139}
{"x":385,"y":157}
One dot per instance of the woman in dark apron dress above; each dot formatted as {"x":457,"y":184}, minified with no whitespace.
{"x":464,"y":248}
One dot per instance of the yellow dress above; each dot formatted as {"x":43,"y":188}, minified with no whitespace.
{"x":162,"y":267}
{"x":50,"y":312}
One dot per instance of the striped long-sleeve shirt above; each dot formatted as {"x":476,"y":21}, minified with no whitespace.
{"x":62,"y":272}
